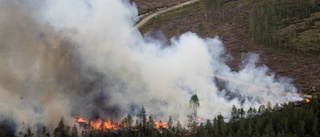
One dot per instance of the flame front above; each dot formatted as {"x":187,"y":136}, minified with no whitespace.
{"x":160,"y":124}
{"x":98,"y":124}
{"x":81,"y":120}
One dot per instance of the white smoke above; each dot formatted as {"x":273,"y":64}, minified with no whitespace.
{"x":83,"y":57}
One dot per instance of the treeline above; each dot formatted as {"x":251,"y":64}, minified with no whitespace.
{"x":62,"y":130}
{"x":290,"y":120}
{"x":287,"y":24}
{"x":293,"y":119}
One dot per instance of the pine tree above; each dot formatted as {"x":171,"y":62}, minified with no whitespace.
{"x":142,"y":116}
{"x":208,"y":127}
{"x":60,"y":130}
{"x":67,"y":130}
{"x":250,"y":112}
{"x":179,"y":126}
{"x":150,"y":122}
{"x":194,"y":104}
{"x":221,"y":125}
{"x":170,"y":123}
{"x":129,"y":120}
{"x":74,"y":131}
{"x":202,"y":131}
{"x":234,"y":114}
{"x":215,"y":127}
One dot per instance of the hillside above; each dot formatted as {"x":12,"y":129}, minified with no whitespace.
{"x":231,"y":23}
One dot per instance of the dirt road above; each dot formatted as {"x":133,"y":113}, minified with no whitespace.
{"x":149,"y":17}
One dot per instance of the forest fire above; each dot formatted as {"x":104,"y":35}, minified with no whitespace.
{"x":307,"y":100}
{"x":160,"y":124}
{"x":98,"y":124}
{"x":81,"y":120}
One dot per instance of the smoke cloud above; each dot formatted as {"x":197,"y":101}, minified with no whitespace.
{"x":80,"y":57}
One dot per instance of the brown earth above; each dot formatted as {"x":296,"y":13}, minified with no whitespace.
{"x":145,"y":6}
{"x":232,"y":26}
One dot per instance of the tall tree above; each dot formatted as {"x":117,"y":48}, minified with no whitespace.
{"x":144,"y":117}
{"x":194,"y":104}
{"x":129,"y":120}
{"x":74,"y":131}
{"x":221,"y":126}
{"x":234,"y":114}
{"x":179,"y":126}
{"x":150,"y":122}
{"x":170,"y":123}
{"x":60,"y":130}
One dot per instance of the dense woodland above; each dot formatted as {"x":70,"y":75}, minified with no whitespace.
{"x":287,"y":24}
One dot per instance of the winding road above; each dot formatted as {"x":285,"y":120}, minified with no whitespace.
{"x":149,"y":17}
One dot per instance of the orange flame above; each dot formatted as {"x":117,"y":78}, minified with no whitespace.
{"x":81,"y":120}
{"x":307,"y":100}
{"x":98,"y":124}
{"x":160,"y":124}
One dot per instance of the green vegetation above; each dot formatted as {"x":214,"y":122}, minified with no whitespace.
{"x":287,"y":24}
{"x":194,"y":104}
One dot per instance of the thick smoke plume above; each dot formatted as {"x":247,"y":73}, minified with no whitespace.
{"x":84,"y":58}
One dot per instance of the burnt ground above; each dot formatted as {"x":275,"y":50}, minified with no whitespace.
{"x":231,"y":24}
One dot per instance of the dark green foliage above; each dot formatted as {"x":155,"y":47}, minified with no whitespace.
{"x":170,"y":123}
{"x":194,"y":104}
{"x":63,"y":130}
{"x":60,"y":130}
{"x":291,"y":120}
{"x":142,"y":117}
{"x":179,"y":126}
{"x":286,"y":24}
{"x":74,"y":131}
